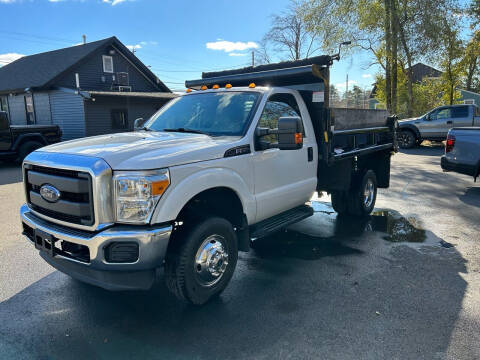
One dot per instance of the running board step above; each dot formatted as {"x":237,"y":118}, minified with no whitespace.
{"x":280,"y":221}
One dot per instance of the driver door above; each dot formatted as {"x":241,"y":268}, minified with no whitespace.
{"x":284,"y":179}
{"x":438,"y":124}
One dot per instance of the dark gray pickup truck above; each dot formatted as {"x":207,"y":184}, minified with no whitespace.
{"x":436,"y":124}
{"x":17,"y":141}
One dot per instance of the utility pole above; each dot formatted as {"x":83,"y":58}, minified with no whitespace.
{"x":253,"y":58}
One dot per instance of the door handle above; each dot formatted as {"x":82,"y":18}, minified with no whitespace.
{"x":449,"y":122}
{"x":310,"y":154}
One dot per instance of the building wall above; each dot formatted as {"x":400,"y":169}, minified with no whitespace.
{"x":16,"y":106}
{"x":67,"y":111}
{"x":92,"y":76}
{"x":469,"y":95}
{"x":98,"y":112}
{"x":41,"y":102}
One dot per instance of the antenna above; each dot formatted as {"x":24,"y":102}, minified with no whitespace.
{"x":84,"y":39}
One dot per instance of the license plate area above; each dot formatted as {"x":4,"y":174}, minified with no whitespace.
{"x":45,"y":242}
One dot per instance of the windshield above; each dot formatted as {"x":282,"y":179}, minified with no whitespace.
{"x":215,"y":114}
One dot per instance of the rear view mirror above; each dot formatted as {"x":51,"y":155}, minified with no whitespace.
{"x":290,"y":133}
{"x":139,"y":124}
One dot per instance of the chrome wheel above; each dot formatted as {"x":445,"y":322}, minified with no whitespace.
{"x":211,"y":260}
{"x":368,"y":193}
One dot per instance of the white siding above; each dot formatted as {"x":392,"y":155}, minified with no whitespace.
{"x":68,"y":113}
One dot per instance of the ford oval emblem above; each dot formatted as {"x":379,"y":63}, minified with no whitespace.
{"x":50,"y":193}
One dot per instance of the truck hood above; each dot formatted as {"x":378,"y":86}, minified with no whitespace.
{"x":147,"y":150}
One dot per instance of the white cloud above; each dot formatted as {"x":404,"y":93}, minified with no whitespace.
{"x":229,"y":46}
{"x":237,"y":54}
{"x":9,"y":57}
{"x":343,"y":85}
{"x":134,"y":47}
{"x":115,"y":2}
{"x":366,"y":76}
{"x":7,"y":1}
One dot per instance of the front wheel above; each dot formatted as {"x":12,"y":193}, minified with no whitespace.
{"x":406,"y":139}
{"x":201,"y":260}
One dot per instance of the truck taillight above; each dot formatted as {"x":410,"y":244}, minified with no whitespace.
{"x":450,"y":143}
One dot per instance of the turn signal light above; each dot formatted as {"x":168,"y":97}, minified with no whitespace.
{"x":216,"y":86}
{"x":298,"y":138}
{"x":228,"y":86}
{"x":204,"y":87}
{"x":252,"y":85}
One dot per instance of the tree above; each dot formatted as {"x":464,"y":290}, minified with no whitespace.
{"x":288,"y":35}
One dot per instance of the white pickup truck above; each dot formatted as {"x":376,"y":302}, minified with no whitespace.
{"x":229,"y":162}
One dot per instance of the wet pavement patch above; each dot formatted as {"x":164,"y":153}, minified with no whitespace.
{"x":333,"y":234}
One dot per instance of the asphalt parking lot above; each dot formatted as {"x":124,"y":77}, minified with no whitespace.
{"x":403,"y":284}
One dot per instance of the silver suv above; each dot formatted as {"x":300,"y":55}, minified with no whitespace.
{"x":436,"y":124}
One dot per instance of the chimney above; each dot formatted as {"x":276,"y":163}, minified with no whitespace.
{"x":84,"y":38}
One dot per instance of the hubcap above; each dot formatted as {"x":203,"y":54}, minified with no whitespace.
{"x":404,"y":139}
{"x":211,"y":260}
{"x":368,"y":193}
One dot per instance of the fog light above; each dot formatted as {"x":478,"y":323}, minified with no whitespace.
{"x":121,"y":252}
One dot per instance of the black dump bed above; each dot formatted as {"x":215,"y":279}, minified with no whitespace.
{"x":343,"y":135}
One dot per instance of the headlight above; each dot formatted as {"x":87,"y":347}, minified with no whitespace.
{"x":137,"y":193}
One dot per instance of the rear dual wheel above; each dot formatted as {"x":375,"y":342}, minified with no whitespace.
{"x":360,"y":200}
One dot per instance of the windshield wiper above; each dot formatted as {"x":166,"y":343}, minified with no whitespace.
{"x":186,"y":130}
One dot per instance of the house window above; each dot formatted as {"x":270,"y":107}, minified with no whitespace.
{"x":29,"y":109}
{"x":119,"y":119}
{"x":107,"y":64}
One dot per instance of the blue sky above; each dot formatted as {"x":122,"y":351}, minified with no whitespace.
{"x":178,"y":39}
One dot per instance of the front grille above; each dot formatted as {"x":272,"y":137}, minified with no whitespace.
{"x":75,"y":204}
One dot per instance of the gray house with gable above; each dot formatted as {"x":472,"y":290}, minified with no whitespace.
{"x":91,"y":89}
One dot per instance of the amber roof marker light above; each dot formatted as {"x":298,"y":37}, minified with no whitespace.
{"x":188,"y":91}
{"x":228,"y":86}
{"x":216,"y":86}
{"x":204,"y":87}
{"x":252,"y":85}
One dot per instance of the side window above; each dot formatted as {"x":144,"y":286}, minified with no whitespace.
{"x":460,"y":112}
{"x":442,"y":114}
{"x":277,"y":106}
{"x":119,"y":120}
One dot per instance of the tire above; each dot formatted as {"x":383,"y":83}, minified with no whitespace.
{"x":26,"y":148}
{"x":361,"y":200}
{"x":339,"y":202}
{"x":407,"y":139}
{"x":190,"y":280}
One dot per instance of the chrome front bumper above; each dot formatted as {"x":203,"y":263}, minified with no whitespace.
{"x":152,"y":245}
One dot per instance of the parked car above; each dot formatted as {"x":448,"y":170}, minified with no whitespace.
{"x":462,"y":151}
{"x":209,"y":172}
{"x":436,"y":124}
{"x":16,"y":141}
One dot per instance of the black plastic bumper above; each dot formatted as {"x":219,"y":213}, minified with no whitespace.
{"x":459,"y":168}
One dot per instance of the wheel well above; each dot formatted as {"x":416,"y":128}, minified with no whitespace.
{"x":220,"y":201}
{"x":26,"y":139}
{"x":415,"y":134}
